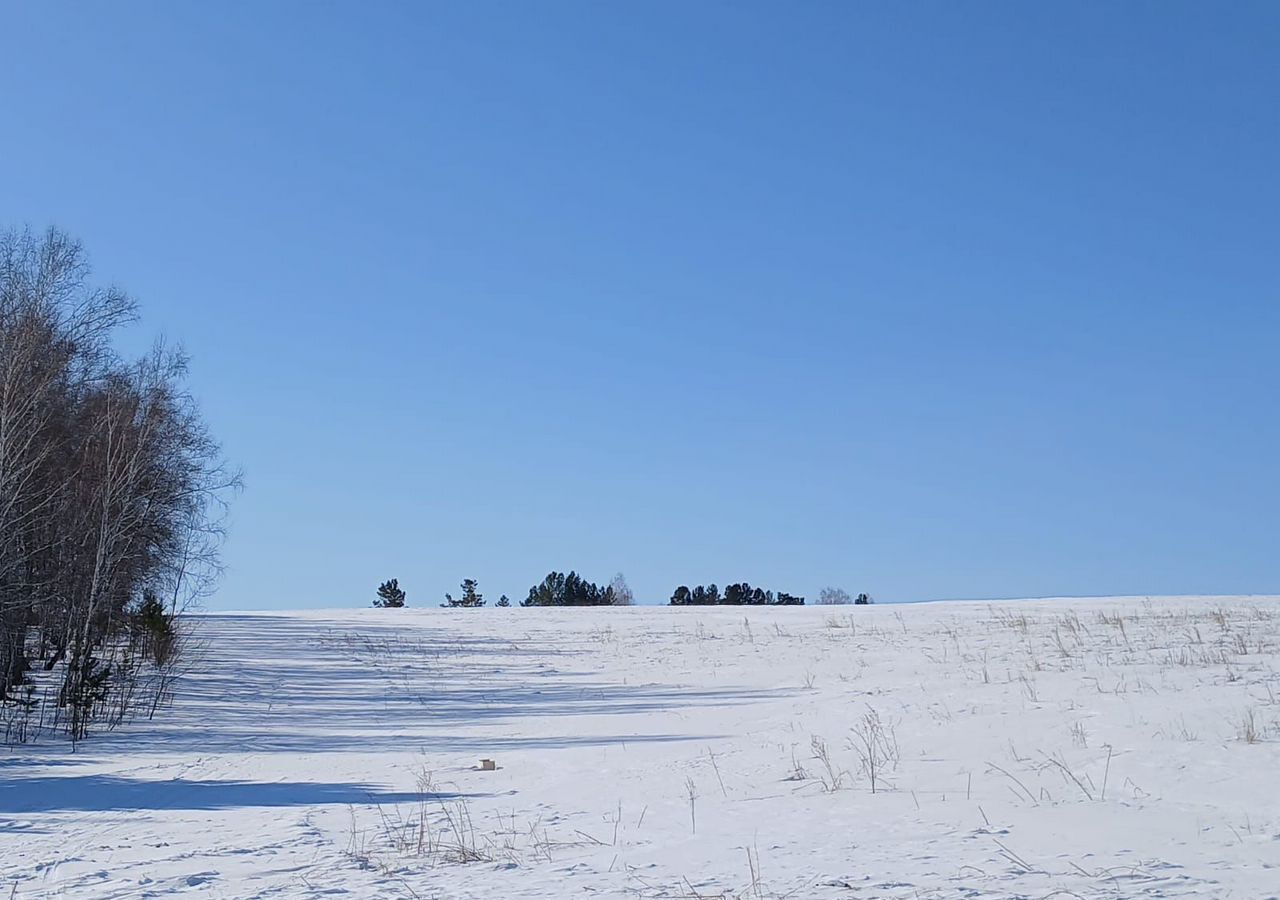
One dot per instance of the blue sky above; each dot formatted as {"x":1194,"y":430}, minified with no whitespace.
{"x":927,"y":300}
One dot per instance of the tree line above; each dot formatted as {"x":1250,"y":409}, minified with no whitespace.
{"x":740,"y":594}
{"x":111,"y":490}
{"x":559,"y":589}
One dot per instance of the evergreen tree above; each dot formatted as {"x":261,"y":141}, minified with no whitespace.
{"x":550,"y":592}
{"x":470,"y":596}
{"x":503,"y":601}
{"x":738,"y":594}
{"x":558,"y":589}
{"x":156,"y":626}
{"x":389,"y":595}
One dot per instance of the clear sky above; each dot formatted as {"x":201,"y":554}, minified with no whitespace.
{"x":922,"y":299}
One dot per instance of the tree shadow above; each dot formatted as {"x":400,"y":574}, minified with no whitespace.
{"x":112,"y":793}
{"x":17,"y":760}
{"x":262,"y":683}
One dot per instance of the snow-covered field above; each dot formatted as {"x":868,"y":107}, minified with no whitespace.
{"x":1070,"y":748}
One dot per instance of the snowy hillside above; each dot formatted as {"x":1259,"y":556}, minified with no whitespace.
{"x":1073,"y":748}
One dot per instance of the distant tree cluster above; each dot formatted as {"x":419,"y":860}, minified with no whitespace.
{"x":111,"y":494}
{"x":834,"y":596}
{"x":390,"y":596}
{"x":558,"y":589}
{"x":740,"y":594}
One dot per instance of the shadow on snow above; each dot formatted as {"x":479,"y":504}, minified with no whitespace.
{"x":277,"y":684}
{"x":103,"y":793}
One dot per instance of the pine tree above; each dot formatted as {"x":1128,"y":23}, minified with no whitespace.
{"x":737,"y":594}
{"x":558,"y":589}
{"x":156,"y":625}
{"x":503,"y":601}
{"x":389,"y":595}
{"x":470,"y":596}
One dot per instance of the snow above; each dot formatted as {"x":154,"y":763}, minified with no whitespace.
{"x":1061,"y":748}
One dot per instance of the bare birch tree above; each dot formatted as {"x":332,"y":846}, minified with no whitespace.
{"x":622,"y":595}
{"x":111,"y":488}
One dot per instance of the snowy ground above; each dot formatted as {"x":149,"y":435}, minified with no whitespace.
{"x":1072,"y":748}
